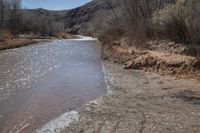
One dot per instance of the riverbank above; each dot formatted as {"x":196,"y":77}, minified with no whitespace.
{"x":15,"y":43}
{"x":25,"y":40}
{"x":141,"y":102}
{"x":162,"y":57}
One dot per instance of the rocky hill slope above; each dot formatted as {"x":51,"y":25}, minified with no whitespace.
{"x":77,"y":20}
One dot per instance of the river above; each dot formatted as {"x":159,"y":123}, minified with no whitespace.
{"x":41,"y":82}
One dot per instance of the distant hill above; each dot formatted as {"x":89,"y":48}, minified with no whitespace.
{"x":78,"y":20}
{"x":49,"y":14}
{"x":75,"y":20}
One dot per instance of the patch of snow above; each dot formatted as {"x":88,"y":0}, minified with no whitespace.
{"x":60,"y":123}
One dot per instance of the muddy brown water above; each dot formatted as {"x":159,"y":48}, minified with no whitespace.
{"x":40,"y":82}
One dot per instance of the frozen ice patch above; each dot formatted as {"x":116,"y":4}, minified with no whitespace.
{"x":60,"y":123}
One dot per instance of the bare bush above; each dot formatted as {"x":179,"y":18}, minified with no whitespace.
{"x":137,"y":16}
{"x":180,"y":22}
{"x":9,"y":16}
{"x":107,"y":25}
{"x":55,"y":28}
{"x":4,"y":8}
{"x":47,"y":27}
{"x":108,"y":29}
{"x":16,"y":20}
{"x":2,"y":12}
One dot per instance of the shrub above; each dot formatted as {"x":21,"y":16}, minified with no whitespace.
{"x":106,"y":25}
{"x":136,"y":18}
{"x":180,"y":22}
{"x":136,"y":14}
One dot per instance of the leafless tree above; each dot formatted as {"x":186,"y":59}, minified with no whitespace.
{"x":114,"y":22}
{"x":2,"y":8}
{"x":109,"y":3}
{"x":137,"y":14}
{"x":14,"y":15}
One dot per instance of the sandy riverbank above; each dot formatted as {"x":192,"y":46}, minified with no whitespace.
{"x":141,"y":102}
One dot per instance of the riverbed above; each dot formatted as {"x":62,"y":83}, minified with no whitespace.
{"x":140,"y":102}
{"x":40,"y":82}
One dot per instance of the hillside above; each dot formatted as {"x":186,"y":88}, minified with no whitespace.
{"x":53,"y":15}
{"x":76,"y":20}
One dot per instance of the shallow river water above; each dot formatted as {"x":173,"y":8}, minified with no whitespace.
{"x":40,"y":82}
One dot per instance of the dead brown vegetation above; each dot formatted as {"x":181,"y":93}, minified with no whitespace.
{"x":165,"y":59}
{"x":15,"y":43}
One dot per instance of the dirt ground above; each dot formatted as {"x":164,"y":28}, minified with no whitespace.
{"x":141,"y":102}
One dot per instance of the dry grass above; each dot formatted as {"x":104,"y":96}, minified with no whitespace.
{"x":5,"y":34}
{"x":15,"y":43}
{"x":161,"y":61}
{"x":23,"y":40}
